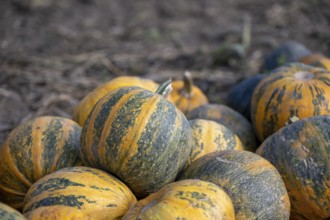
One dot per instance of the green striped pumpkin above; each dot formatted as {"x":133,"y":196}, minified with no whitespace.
{"x":88,"y":190}
{"x":253,"y":184}
{"x":8,"y":213}
{"x":185,"y":199}
{"x":301,"y":153}
{"x":293,"y":90}
{"x":209,"y":136}
{"x":33,"y":150}
{"x":139,"y":136}
{"x":229,"y":118}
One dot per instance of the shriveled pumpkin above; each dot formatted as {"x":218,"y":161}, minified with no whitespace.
{"x":293,"y":90}
{"x":57,"y":212}
{"x":191,"y":199}
{"x":301,"y":153}
{"x":209,"y":136}
{"x":185,"y":95}
{"x":33,"y":150}
{"x":90,"y":191}
{"x":86,"y":105}
{"x":139,"y":136}
{"x":253,"y":184}
{"x":8,"y":213}
{"x":229,"y":118}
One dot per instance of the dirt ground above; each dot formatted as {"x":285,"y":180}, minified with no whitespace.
{"x":53,"y":52}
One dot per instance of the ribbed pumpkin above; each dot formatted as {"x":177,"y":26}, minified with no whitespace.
{"x":301,"y":153}
{"x":86,"y":105}
{"x":239,"y":97}
{"x":293,"y":90}
{"x":229,"y":118}
{"x":33,"y":150}
{"x":185,"y":95}
{"x":253,"y":184}
{"x":88,"y":190}
{"x":185,"y":199}
{"x":57,"y":213}
{"x":8,"y":213}
{"x":209,"y":136}
{"x":139,"y":136}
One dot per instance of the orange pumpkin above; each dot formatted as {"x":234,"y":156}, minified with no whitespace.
{"x":185,"y":95}
{"x":316,"y":59}
{"x":209,"y":136}
{"x":57,"y":212}
{"x":186,"y":199}
{"x":294,"y":90}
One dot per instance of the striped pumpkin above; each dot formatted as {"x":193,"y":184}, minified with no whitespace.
{"x":253,"y":184}
{"x":58,"y":212}
{"x":33,"y":150}
{"x":139,"y":136}
{"x":209,"y":136}
{"x":293,"y":90}
{"x":8,"y":213}
{"x":185,"y":199}
{"x":301,"y":153}
{"x":186,"y":96}
{"x":229,"y":118}
{"x":86,"y":105}
{"x":93,"y":192}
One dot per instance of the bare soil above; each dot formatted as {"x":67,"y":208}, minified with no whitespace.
{"x":53,"y":52}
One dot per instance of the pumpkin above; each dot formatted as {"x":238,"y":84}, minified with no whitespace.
{"x":8,"y":213}
{"x":253,"y":184}
{"x":316,"y":59}
{"x":185,"y":199}
{"x":57,"y":213}
{"x":86,"y":105}
{"x":138,"y":136}
{"x":288,"y":52}
{"x":231,"y":119}
{"x":293,"y":90}
{"x":33,"y":150}
{"x":92,"y":191}
{"x":185,"y":95}
{"x":300,"y":152}
{"x":209,"y":136}
{"x":239,"y":97}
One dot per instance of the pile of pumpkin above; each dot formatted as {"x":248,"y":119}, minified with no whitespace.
{"x":138,"y":150}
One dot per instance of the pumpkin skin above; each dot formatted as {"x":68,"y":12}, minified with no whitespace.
{"x":231,"y":119}
{"x":253,"y":184}
{"x":300,"y":152}
{"x":86,"y":105}
{"x":138,"y":136}
{"x":209,"y":136}
{"x":317,"y":60}
{"x":185,"y":199}
{"x":57,"y":213}
{"x":239,"y":97}
{"x":91,"y":191}
{"x":33,"y":150}
{"x":294,"y":90}
{"x":186,"y":96}
{"x":283,"y":54}
{"x":8,"y":213}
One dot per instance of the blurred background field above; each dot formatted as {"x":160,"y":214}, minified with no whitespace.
{"x":53,"y":52}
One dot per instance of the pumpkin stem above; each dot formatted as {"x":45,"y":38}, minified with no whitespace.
{"x":292,"y":120}
{"x":165,"y":88}
{"x":188,"y":84}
